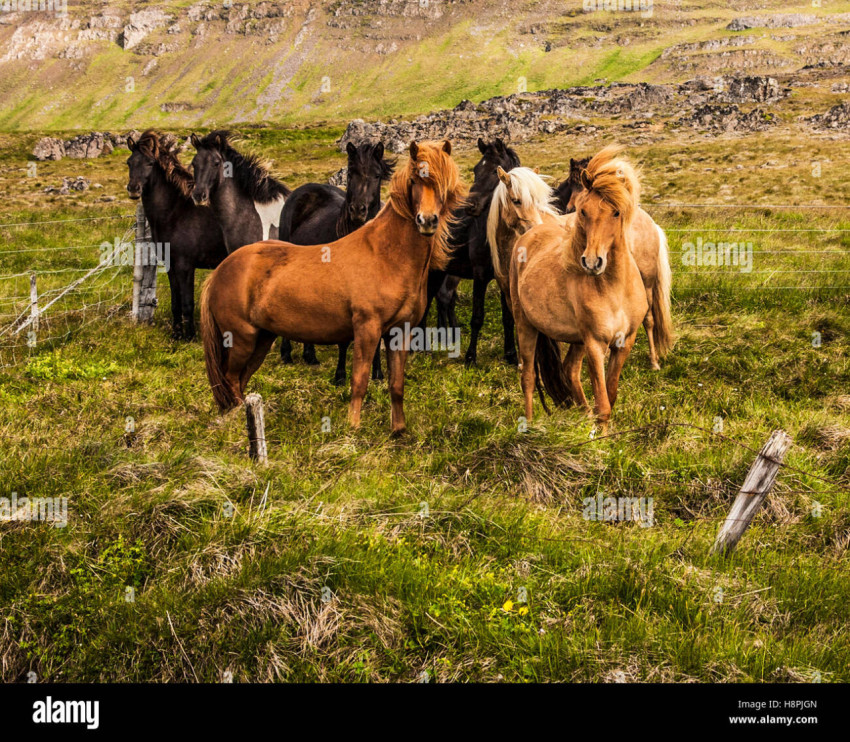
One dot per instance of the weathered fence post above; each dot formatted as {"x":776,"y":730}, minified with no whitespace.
{"x":756,"y":487}
{"x":144,"y":271}
{"x":256,"y":428}
{"x":33,"y":302}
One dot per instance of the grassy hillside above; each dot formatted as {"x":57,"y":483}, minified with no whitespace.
{"x":323,"y":565}
{"x":342,"y":59}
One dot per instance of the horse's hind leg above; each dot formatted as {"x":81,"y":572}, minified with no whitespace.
{"x":508,"y":329}
{"x":377,"y":373}
{"x":285,"y":351}
{"x":242,"y":359}
{"x":310,"y":355}
{"x":572,"y":369}
{"x":649,"y":326}
{"x":263,"y":344}
{"x":395,"y":371}
{"x":615,"y":366}
{"x":527,"y":337}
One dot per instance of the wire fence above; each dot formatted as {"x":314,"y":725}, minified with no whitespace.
{"x":60,"y":290}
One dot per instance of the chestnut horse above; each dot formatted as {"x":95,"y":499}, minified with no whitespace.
{"x":581,"y":285}
{"x":356,"y":288}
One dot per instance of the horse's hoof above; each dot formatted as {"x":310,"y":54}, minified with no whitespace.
{"x":398,"y":432}
{"x":311,"y":360}
{"x":286,"y":360}
{"x":470,"y":361}
{"x":176,"y":334}
{"x":339,"y":381}
{"x":512,"y":360}
{"x":378,"y":376}
{"x":655,"y":366}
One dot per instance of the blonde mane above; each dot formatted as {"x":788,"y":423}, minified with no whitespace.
{"x":615,"y":180}
{"x":530,"y":188}
{"x":434,"y":167}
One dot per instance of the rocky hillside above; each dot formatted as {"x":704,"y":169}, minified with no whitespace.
{"x":121,"y":65}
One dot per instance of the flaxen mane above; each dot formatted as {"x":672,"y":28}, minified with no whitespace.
{"x":250,"y":172}
{"x":436,"y":168}
{"x":153,"y":145}
{"x":532,"y":190}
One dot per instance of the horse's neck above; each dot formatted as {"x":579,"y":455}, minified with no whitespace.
{"x":160,"y":200}
{"x":229,"y":203}
{"x":415,"y":255}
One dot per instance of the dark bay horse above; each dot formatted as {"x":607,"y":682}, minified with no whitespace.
{"x":567,"y":193}
{"x":318,"y":214}
{"x":470,"y":256}
{"x":244,"y":196}
{"x":191,"y":232}
{"x":356,"y":288}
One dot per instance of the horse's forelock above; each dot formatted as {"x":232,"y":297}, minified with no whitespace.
{"x":615,"y":180}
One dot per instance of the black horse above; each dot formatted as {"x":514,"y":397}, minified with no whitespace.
{"x":565,"y":194}
{"x":471,"y":252}
{"x":192,"y":233}
{"x":317,"y":214}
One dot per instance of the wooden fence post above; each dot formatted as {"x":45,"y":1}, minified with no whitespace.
{"x":33,"y":302}
{"x":256,"y":428}
{"x":144,"y":271}
{"x":756,"y":487}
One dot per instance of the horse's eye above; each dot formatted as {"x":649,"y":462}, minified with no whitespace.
{"x":616,"y":214}
{"x":517,"y":201}
{"x":583,"y":214}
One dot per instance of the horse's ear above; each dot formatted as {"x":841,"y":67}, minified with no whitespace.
{"x":217,"y":141}
{"x":379,"y":151}
{"x":573,"y":163}
{"x":196,"y":140}
{"x":500,"y":145}
{"x":414,"y":150}
{"x":132,"y":144}
{"x":586,"y":182}
{"x":482,"y":146}
{"x":537,"y":171}
{"x":447,"y":146}
{"x":503,"y":176}
{"x":351,"y":149}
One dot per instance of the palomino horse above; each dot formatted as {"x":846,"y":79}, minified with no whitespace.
{"x":581,"y":285}
{"x":191,"y":232}
{"x":318,"y":213}
{"x":522,"y":200}
{"x":646,"y":252}
{"x":357,"y":288}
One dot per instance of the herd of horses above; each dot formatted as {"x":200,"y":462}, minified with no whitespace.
{"x":580,"y":264}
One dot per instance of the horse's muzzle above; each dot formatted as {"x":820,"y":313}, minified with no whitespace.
{"x":427,"y":225}
{"x":134,"y":193}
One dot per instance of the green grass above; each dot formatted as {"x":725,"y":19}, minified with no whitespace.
{"x":323,"y":566}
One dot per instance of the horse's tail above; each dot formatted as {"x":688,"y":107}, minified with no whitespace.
{"x":663,"y":321}
{"x":214,"y":353}
{"x":549,"y":372}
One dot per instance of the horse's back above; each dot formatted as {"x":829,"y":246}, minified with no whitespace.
{"x":310,"y":213}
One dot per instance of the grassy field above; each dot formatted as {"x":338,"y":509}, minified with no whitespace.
{"x":327,"y":565}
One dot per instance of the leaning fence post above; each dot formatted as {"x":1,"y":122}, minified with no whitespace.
{"x":256,"y":428}
{"x":33,"y":302}
{"x":144,"y":271}
{"x":756,"y":487}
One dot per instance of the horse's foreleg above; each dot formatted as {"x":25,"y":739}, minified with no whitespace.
{"x":285,"y":351}
{"x":615,"y":366}
{"x":396,"y":360}
{"x":527,"y":337}
{"x":479,"y":294}
{"x":187,"y":303}
{"x":339,"y":374}
{"x":366,"y":339}
{"x":176,"y":305}
{"x":572,"y":368}
{"x":596,"y":366}
{"x":649,"y":326}
{"x":435,"y":280}
{"x":310,"y":355}
{"x":508,"y":329}
{"x":377,"y":373}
